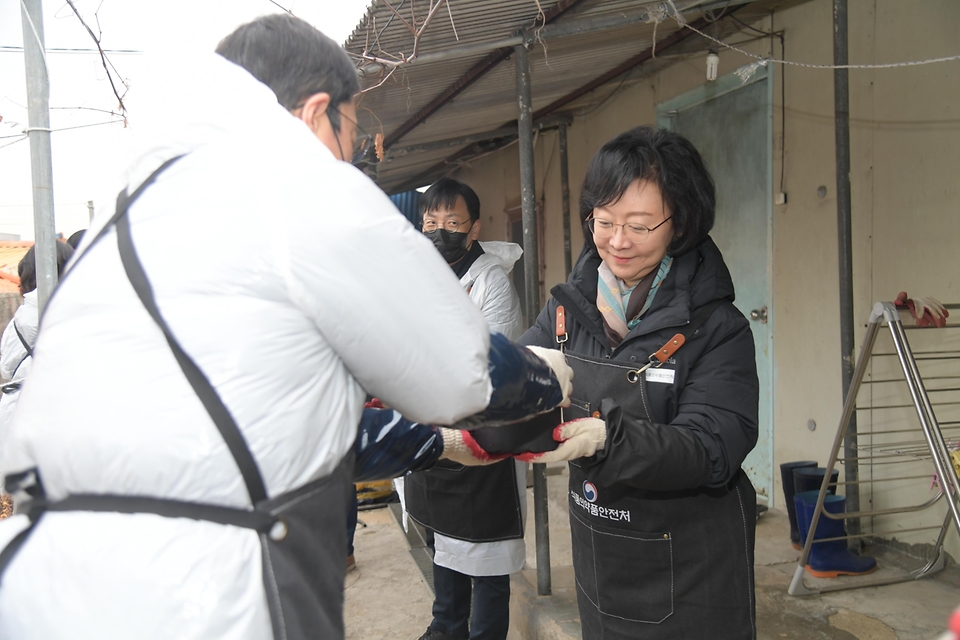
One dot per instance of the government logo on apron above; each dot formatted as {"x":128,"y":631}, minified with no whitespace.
{"x":589,"y":492}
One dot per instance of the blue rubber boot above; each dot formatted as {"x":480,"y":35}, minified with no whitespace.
{"x":828,"y":559}
{"x":786,"y":475}
{"x":810,"y":478}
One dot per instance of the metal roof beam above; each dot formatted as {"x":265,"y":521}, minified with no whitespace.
{"x":472,"y":75}
{"x":572,"y":27}
{"x":620,"y":69}
{"x":503,"y":132}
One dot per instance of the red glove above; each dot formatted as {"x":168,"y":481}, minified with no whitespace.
{"x":926,"y":312}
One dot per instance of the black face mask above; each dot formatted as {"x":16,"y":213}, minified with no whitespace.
{"x":450,"y":244}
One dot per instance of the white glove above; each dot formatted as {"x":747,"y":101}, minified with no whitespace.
{"x":460,"y":446}
{"x":558,"y":363}
{"x":938,"y":313}
{"x":579,"y":438}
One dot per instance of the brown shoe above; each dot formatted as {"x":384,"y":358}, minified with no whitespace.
{"x":351,"y":563}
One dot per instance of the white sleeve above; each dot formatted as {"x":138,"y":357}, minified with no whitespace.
{"x":12,"y":351}
{"x":499,"y":303}
{"x":387,"y":303}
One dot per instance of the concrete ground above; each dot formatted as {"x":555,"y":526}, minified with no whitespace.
{"x":388,"y":597}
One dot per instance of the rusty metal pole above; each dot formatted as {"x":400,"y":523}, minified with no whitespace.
{"x":531,"y":267}
{"x":565,"y":200}
{"x":841,"y":106}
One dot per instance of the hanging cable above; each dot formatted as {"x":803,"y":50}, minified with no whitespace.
{"x":761,"y":61}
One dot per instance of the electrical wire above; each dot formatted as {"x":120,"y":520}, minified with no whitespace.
{"x":807,"y":65}
{"x":20,"y":139}
{"x":79,"y":126}
{"x":4,"y":48}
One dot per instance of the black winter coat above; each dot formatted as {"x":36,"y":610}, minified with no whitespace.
{"x":670,"y":470}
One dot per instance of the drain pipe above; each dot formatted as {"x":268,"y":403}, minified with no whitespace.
{"x":531,"y":271}
{"x":841,"y":97}
{"x":565,"y":200}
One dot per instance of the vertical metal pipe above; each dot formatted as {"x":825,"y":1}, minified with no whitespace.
{"x":41,"y":165}
{"x":841,"y":97}
{"x":565,"y":200}
{"x":531,"y":266}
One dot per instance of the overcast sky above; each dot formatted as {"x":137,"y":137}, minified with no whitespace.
{"x":87,"y":160}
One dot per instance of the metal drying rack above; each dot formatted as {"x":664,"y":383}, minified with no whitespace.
{"x":897,"y":456}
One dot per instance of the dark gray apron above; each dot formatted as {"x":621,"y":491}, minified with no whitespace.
{"x":476,"y":504}
{"x":655,"y":564}
{"x":302,"y":533}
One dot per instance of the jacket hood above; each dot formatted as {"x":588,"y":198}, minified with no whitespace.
{"x":176,"y":109}
{"x":697,"y":277}
{"x":501,"y":254}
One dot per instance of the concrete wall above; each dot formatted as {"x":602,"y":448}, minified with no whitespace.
{"x":905,"y":143}
{"x":9,"y":303}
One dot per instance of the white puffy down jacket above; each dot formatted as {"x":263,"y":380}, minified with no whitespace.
{"x":296,"y":286}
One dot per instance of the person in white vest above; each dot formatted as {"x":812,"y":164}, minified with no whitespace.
{"x":184,"y":442}
{"x":16,"y":344}
{"x":476,"y":512}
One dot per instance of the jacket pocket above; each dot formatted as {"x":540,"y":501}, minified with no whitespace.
{"x":624,"y":574}
{"x":577,"y":409}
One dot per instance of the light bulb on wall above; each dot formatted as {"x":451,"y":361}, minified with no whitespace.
{"x":713,"y":62}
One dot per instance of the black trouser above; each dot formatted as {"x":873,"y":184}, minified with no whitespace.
{"x":451,"y":607}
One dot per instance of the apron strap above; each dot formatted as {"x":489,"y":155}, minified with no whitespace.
{"x":218,"y":412}
{"x":10,"y":388}
{"x":23,"y":341}
{"x":201,"y":385}
{"x":260,"y":521}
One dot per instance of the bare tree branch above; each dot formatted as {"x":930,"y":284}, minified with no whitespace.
{"x":409,"y":27}
{"x":103,"y":57}
{"x":400,"y":59}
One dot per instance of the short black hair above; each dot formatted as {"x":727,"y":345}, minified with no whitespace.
{"x":27,"y":269}
{"x":74,"y":240}
{"x":294,"y":59}
{"x":444,"y":193}
{"x":663,"y":157}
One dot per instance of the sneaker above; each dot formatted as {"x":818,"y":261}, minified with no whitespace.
{"x":433,"y":634}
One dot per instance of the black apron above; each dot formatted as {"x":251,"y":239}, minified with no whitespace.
{"x":655,"y":564}
{"x":302,"y":533}
{"x":476,"y":504}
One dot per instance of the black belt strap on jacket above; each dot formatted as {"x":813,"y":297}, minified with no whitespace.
{"x":261,"y":521}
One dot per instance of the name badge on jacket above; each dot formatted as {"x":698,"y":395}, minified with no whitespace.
{"x":664,"y":376}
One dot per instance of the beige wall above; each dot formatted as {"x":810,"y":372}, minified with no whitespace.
{"x":905,"y":146}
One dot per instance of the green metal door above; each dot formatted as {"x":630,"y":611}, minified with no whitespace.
{"x":731,"y":124}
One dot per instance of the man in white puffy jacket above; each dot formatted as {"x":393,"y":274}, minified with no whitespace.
{"x":185,"y":435}
{"x":477,"y":513}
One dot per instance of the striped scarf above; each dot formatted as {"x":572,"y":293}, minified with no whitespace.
{"x":614,"y":301}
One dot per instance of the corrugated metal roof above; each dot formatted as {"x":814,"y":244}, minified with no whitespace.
{"x":559,"y":65}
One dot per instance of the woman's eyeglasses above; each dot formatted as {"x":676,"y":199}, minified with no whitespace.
{"x":636,"y":233}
